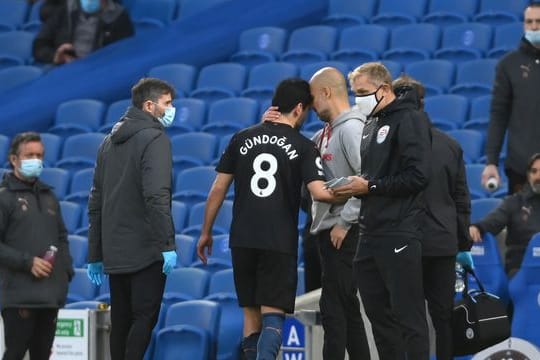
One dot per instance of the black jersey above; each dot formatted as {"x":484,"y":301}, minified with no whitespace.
{"x":269,"y":161}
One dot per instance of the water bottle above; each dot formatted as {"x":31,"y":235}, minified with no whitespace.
{"x":460,"y":278}
{"x":492,"y":184}
{"x":50,"y":254}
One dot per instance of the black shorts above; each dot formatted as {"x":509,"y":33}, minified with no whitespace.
{"x":264,"y":277}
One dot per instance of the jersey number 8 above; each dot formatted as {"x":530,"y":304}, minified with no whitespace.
{"x":262,"y":174}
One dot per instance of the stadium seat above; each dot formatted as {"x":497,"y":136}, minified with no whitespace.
{"x":308,"y":70}
{"x":220,"y":248}
{"x":192,"y":185}
{"x":264,"y":78}
{"x":500,"y":12}
{"x":360,"y":44}
{"x":463,"y":42}
{"x":8,"y":61}
{"x":179,"y":213}
{"x":435,"y":75}
{"x":104,"y":292}
{"x":260,"y":45}
{"x":474,"y":181}
{"x":185,"y":247}
{"x":17,"y":44}
{"x":14,"y":76}
{"x":190,"y":114}
{"x":346,"y":13}
{"x":224,"y":141}
{"x":310,"y":44}
{"x":193,"y":149}
{"x":81,"y":184}
{"x":413,"y":42}
{"x":58,"y":179}
{"x":221,"y":224}
{"x":191,"y":342}
{"x":481,"y":207}
{"x":395,"y":12}
{"x":472,"y":143}
{"x":525,"y":291}
{"x":185,"y":284}
{"x":83,"y":305}
{"x":33,"y":22}
{"x":474,"y":78}
{"x":393,"y":67}
{"x":301,"y":284}
{"x":80,"y":151}
{"x":228,"y":116}
{"x":161,"y":10}
{"x":212,"y":265}
{"x":231,"y":325}
{"x":78,"y":248}
{"x":71,"y":214}
{"x":4,"y":147}
{"x":180,"y":76}
{"x":146,"y":24}
{"x":52,"y":144}
{"x":480,"y":107}
{"x":222,"y":282}
{"x":12,"y":13}
{"x":78,"y":116}
{"x":451,"y":109}
{"x":220,"y":80}
{"x":114,"y":113}
{"x":81,"y":288}
{"x":187,"y":8}
{"x":444,"y":12}
{"x":507,"y":38}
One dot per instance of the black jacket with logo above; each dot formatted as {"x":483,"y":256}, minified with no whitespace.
{"x":130,"y":202}
{"x":30,"y":222}
{"x":515,"y":107}
{"x":396,"y":161}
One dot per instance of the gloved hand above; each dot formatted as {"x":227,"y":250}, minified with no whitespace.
{"x":95,"y":272}
{"x":169,"y":261}
{"x":465,"y":259}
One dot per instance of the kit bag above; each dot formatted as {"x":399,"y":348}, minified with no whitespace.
{"x":479,"y":320}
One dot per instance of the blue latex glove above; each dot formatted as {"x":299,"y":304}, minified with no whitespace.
{"x":95,"y":272}
{"x":465,"y":259}
{"x":169,"y":261}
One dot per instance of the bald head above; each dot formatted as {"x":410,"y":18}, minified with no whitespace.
{"x":332,"y":78}
{"x":329,"y":90}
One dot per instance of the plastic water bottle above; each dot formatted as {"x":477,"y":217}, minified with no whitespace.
{"x":460,"y":278}
{"x":50,"y":254}
{"x":492,"y":184}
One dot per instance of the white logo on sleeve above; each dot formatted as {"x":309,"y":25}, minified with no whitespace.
{"x":396,"y":250}
{"x":382,"y":133}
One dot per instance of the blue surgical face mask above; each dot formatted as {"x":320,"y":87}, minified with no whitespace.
{"x":90,"y":6}
{"x":31,"y":168}
{"x":533,"y":36}
{"x":168,"y":116}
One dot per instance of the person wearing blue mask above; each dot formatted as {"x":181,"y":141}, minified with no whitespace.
{"x":131,"y":232}
{"x":33,"y":289}
{"x":514,"y":107}
{"x":80,"y":27}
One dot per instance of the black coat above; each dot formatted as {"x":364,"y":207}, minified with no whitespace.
{"x":31,"y":221}
{"x":130,"y":202}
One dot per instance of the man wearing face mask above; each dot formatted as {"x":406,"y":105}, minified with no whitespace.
{"x":520,"y":214}
{"x":515,"y":106}
{"x":131,"y":233}
{"x":80,"y":27}
{"x":396,"y":166}
{"x":32,"y":288}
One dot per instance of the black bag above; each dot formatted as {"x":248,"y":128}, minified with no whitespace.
{"x":479,"y":320}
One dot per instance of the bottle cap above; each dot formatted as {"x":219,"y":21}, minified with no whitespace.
{"x":53,"y":248}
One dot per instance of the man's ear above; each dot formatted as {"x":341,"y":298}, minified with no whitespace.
{"x":12,"y":158}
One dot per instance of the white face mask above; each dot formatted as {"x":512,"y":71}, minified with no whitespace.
{"x":367,"y":103}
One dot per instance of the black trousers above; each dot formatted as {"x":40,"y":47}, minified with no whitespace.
{"x":389,"y":275}
{"x":135,"y":303}
{"x":29,"y":329}
{"x":439,"y":280}
{"x":340,"y":309}
{"x":312,"y":262}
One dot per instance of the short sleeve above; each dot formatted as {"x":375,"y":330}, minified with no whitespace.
{"x":227,"y":162}
{"x":311,"y":164}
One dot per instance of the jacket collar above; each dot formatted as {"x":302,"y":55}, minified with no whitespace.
{"x":529,"y":48}
{"x":13,"y":183}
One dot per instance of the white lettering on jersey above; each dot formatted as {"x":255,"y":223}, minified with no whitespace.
{"x":266,"y":139}
{"x":261,"y":174}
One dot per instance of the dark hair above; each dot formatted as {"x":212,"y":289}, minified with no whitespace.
{"x":150,"y":89}
{"x":533,"y":5}
{"x":22,"y":138}
{"x":532,"y":159}
{"x":290,"y":92}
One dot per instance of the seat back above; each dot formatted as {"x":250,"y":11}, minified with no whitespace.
{"x":189,"y":281}
{"x":57,"y":178}
{"x":15,"y":76}
{"x":181,"y":76}
{"x":267,"y":38}
{"x":480,"y":208}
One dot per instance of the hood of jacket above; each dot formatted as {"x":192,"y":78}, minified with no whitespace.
{"x":133,"y":121}
{"x":400,"y":103}
{"x":409,"y":96}
{"x":345,"y":116}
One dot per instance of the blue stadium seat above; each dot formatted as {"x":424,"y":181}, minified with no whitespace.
{"x":179,"y":213}
{"x":114,"y":113}
{"x":78,"y":248}
{"x":58,"y":179}
{"x":481,"y":207}
{"x":224,"y":141}
{"x":161,"y":10}
{"x":345,"y":13}
{"x":12,"y":13}
{"x":190,"y":114}
{"x":310,"y":44}
{"x":4,"y":147}
{"x":360,"y":44}
{"x":146,"y":24}
{"x":219,"y":81}
{"x":500,"y":12}
{"x":185,"y":284}
{"x":185,"y":247}
{"x":17,"y":44}
{"x":231,"y":325}
{"x":33,"y":22}
{"x":193,"y":149}
{"x":396,"y":12}
{"x":192,"y":185}
{"x":393,"y":67}
{"x":479,"y":114}
{"x":472,"y":143}
{"x":221,"y":224}
{"x":222,"y":282}
{"x":104,"y":292}
{"x":188,"y":8}
{"x":474,"y":78}
{"x":212,"y":265}
{"x":220,"y":250}
{"x":180,"y":76}
{"x":301,"y":284}
{"x":71,"y":213}
{"x":52,"y":144}
{"x":463,"y":42}
{"x":450,"y":109}
{"x":3,"y":172}
{"x":81,"y":288}
{"x":264,"y":78}
{"x":308,"y":70}
{"x":228,"y":116}
{"x":506,"y":38}
{"x":444,"y":12}
{"x":413,"y":42}
{"x":83,"y":305}
{"x":260,"y":45}
{"x":474,"y":181}
{"x":14,"y":76}
{"x":192,"y":342}
{"x":81,"y":183}
{"x":8,"y":61}
{"x":80,"y":151}
{"x":78,"y":116}
{"x":525,"y":290}
{"x":435,"y":75}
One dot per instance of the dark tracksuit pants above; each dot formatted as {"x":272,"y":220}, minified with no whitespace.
{"x":340,"y":309}
{"x":29,"y":329}
{"x":439,"y":280}
{"x":135,"y":303}
{"x":389,"y":275}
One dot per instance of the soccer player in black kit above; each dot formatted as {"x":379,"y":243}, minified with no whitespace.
{"x":268,"y":163}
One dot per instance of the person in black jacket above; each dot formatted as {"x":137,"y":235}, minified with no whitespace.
{"x":131,"y":233}
{"x":520,"y":214}
{"x":396,"y":167}
{"x":79,"y":28}
{"x":515,"y":106}
{"x":32,"y":289}
{"x":448,"y":210}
